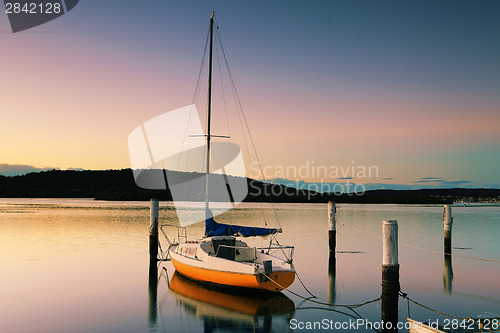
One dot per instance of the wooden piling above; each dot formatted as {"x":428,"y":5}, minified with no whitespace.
{"x":153,"y":231}
{"x":332,"y":244}
{"x":448,"y":270}
{"x":447,"y":224}
{"x":390,"y":276}
{"x":153,"y":258}
{"x":332,"y":230}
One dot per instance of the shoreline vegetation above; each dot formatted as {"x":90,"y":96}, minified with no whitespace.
{"x":119,"y":185}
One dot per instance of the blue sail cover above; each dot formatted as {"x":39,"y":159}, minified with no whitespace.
{"x":213,"y":228}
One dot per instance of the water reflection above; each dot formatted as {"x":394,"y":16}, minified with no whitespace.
{"x":332,"y":273}
{"x":447,"y":275}
{"x":390,"y":297}
{"x":223,"y":311}
{"x":152,"y":293}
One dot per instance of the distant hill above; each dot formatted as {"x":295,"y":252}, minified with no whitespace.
{"x":120,"y":185}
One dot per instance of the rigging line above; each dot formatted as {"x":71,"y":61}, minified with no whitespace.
{"x":288,"y":259}
{"x":236,"y":101}
{"x":200,"y":73}
{"x":247,"y":127}
{"x":424,"y":249}
{"x":219,"y":39}
{"x":196,"y":94}
{"x":222,"y":85}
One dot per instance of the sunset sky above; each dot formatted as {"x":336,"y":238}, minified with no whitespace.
{"x":411,"y":87}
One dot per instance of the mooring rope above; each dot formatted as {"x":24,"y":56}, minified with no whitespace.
{"x":454,"y":255}
{"x":303,"y":285}
{"x":349,"y":306}
{"x":421,"y":248}
{"x":404,"y":295}
{"x":326,"y":309}
{"x":408,"y":299}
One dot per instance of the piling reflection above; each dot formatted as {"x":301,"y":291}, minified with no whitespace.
{"x":152,"y":293}
{"x":332,"y":273}
{"x":390,"y":297}
{"x":222,"y":311}
{"x":448,"y":275}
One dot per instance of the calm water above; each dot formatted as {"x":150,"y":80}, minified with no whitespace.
{"x":82,"y":266}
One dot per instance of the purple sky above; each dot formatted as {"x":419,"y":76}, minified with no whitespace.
{"x":410,"y":87}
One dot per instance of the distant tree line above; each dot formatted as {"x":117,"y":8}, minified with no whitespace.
{"x":120,"y":185}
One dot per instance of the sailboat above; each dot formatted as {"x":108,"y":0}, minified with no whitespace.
{"x":221,"y":258}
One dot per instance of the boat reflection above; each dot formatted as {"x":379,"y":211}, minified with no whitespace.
{"x":222,"y":311}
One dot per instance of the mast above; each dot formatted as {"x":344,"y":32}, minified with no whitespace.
{"x":209,"y":111}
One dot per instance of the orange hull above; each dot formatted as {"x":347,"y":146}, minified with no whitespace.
{"x":278,"y":281}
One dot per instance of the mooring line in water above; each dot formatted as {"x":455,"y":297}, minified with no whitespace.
{"x":303,"y":285}
{"x":408,"y":299}
{"x":404,"y":295}
{"x":349,"y":306}
{"x":424,"y":249}
{"x":326,"y":309}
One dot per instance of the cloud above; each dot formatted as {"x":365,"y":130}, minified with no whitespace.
{"x":423,"y":183}
{"x":442,"y":183}
{"x":20,"y":169}
{"x":456,"y":182}
{"x":427,"y":180}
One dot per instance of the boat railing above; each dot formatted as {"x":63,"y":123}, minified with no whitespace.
{"x":286,"y":250}
{"x":288,"y":258}
{"x":181,"y":233}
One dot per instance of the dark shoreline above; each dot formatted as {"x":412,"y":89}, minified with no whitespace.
{"x":119,"y":185}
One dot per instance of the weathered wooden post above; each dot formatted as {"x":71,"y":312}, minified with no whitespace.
{"x":448,"y":270}
{"x":332,"y":231}
{"x":153,"y":231}
{"x":390,"y":276}
{"x":447,"y":223}
{"x":332,"y":261}
{"x":153,"y":258}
